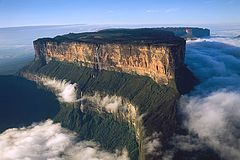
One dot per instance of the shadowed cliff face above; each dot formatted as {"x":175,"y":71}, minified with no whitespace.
{"x":147,"y":74}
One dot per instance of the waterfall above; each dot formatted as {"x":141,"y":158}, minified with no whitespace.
{"x":97,"y":58}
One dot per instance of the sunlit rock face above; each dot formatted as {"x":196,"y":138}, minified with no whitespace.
{"x":156,"y":60}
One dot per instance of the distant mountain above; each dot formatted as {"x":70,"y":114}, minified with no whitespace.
{"x":188,"y":32}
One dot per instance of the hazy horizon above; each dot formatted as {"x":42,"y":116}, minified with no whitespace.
{"x":48,"y":12}
{"x":140,"y":24}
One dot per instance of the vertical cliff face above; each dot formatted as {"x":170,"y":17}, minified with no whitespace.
{"x":159,"y":61}
{"x":143,"y":68}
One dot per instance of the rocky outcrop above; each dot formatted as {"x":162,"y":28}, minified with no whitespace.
{"x":143,"y":67}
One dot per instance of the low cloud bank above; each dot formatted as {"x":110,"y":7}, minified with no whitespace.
{"x":153,"y":143}
{"x":212,"y":110}
{"x":215,"y":119}
{"x":111,"y":104}
{"x":222,"y":39}
{"x":66,"y":91}
{"x":153,"y":147}
{"x":216,"y":64}
{"x":47,"y":140}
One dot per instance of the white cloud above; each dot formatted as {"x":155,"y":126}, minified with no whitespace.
{"x":227,"y":40}
{"x":168,"y":10}
{"x":66,"y":91}
{"x":187,"y":142}
{"x":110,"y":11}
{"x":153,"y":144}
{"x":215,"y":63}
{"x":153,"y":11}
{"x":47,"y":140}
{"x":171,"y":10}
{"x":215,"y":119}
{"x":111,"y":104}
{"x":211,"y":112}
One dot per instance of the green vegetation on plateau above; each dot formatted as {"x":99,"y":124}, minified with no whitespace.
{"x":129,"y":36}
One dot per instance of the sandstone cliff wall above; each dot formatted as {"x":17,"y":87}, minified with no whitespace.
{"x":159,"y":62}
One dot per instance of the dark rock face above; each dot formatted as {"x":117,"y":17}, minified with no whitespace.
{"x":144,"y":66}
{"x":185,"y":80}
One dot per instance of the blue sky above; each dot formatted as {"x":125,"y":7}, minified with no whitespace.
{"x":55,"y":12}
